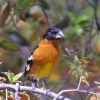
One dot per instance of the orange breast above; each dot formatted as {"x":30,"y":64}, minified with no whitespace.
{"x":46,"y":58}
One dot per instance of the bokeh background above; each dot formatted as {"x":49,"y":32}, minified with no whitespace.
{"x":23,"y":22}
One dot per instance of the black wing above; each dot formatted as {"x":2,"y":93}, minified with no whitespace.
{"x":29,"y":62}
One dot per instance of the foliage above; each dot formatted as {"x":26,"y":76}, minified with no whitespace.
{"x":23,"y":22}
{"x":13,"y":78}
{"x":8,"y":45}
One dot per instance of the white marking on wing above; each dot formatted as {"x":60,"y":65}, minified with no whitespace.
{"x":28,"y":67}
{"x":30,"y":58}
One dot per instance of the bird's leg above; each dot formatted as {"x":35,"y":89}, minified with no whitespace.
{"x":44,"y":82}
{"x":44,"y":86}
{"x":39,"y":83}
{"x":35,"y":82}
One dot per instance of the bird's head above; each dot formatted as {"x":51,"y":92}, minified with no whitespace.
{"x":53,"y":34}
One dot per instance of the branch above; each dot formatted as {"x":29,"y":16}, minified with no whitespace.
{"x":77,"y":90}
{"x":30,"y":89}
{"x":61,"y":24}
{"x":95,"y":6}
{"x":17,"y":87}
{"x":42,"y":4}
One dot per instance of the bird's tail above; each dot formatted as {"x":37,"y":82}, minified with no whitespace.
{"x":25,"y":73}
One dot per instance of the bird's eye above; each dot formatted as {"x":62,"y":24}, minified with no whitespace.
{"x":54,"y":32}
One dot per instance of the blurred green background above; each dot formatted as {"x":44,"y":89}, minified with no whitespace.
{"x":23,"y":22}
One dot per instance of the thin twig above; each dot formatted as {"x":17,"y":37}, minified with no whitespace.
{"x":75,"y":90}
{"x":91,"y":4}
{"x":47,"y":17}
{"x":6,"y":94}
{"x":45,"y":14}
{"x":79,"y":84}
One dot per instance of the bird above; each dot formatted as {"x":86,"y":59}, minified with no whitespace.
{"x":46,"y":55}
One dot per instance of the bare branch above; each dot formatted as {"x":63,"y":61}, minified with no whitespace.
{"x":17,"y":88}
{"x":75,"y":90}
{"x":30,"y":89}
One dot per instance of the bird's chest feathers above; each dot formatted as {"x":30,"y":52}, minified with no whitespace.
{"x":46,"y":58}
{"x":47,"y":61}
{"x":49,"y":53}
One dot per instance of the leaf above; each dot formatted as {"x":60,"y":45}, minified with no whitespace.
{"x":72,"y":16}
{"x":79,"y":20}
{"x":25,"y":96}
{"x":3,"y":78}
{"x":44,"y":4}
{"x":76,"y":30}
{"x":76,"y":59}
{"x":24,"y":3}
{"x":16,"y":77}
{"x":10,"y":98}
{"x":83,"y":19}
{"x":10,"y":76}
{"x":71,"y":64}
{"x":4,"y":15}
{"x":8,"y":45}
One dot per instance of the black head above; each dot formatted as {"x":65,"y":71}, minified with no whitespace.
{"x":53,"y":34}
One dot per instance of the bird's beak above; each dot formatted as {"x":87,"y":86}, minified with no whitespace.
{"x":60,"y":35}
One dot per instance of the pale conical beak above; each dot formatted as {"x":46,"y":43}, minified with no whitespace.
{"x":60,"y":35}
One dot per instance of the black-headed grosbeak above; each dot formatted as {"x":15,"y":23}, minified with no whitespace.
{"x":45,"y":56}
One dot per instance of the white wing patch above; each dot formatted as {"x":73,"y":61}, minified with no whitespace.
{"x":27,"y":67}
{"x":30,"y":58}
